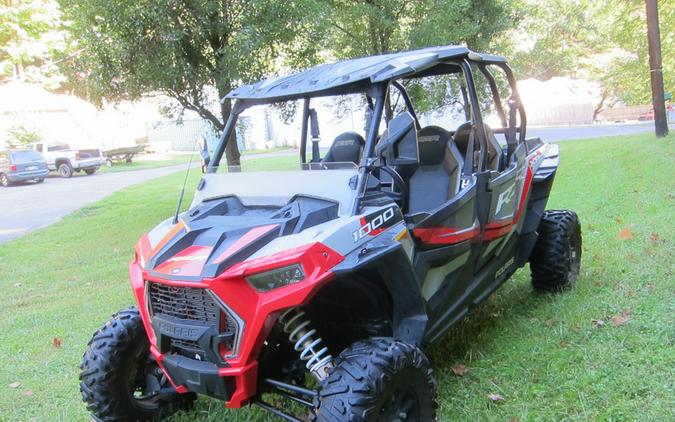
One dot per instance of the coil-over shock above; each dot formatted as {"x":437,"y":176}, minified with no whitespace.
{"x":294,"y":323}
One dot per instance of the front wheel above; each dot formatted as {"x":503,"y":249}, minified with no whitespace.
{"x":379,"y":379}
{"x":556,"y":257}
{"x":120,"y":380}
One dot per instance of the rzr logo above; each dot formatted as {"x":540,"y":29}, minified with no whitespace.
{"x":505,"y":198}
{"x":375,"y":226}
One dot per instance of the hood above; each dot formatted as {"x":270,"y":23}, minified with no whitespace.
{"x":278,"y":188}
{"x":219,"y":233}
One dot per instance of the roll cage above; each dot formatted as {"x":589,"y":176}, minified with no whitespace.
{"x":513,"y":124}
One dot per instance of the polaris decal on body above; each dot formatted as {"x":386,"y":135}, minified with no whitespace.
{"x":179,"y":331}
{"x":375,"y":223}
{"x":505,"y":267}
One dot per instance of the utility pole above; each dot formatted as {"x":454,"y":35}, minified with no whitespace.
{"x":656,"y":72}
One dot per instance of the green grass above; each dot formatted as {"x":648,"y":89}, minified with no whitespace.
{"x":142,"y":163}
{"x":543,"y":354}
{"x":267,"y":150}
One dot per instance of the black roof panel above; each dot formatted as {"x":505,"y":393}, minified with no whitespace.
{"x":354,"y":74}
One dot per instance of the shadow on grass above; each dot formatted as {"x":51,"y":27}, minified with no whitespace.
{"x":513,"y":301}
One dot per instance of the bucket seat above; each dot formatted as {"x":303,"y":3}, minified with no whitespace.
{"x":437,"y":177}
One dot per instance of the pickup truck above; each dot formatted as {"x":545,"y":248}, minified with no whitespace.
{"x":66,"y":161}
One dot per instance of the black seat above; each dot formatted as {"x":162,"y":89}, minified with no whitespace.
{"x":347,"y":147}
{"x":438,"y":176}
{"x":494,"y":155}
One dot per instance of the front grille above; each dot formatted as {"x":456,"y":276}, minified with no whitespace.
{"x":183,"y":302}
{"x":194,"y":306}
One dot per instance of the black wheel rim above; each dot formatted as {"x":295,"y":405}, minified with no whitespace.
{"x":400,"y":405}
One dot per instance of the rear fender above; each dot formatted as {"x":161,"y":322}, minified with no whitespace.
{"x":544,"y":165}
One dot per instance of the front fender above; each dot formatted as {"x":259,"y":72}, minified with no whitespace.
{"x":388,"y":257}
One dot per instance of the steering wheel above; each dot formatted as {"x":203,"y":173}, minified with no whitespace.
{"x":401,"y":197}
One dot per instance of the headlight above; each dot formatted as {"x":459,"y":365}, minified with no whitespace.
{"x":279,"y":277}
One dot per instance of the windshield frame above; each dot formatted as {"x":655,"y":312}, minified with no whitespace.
{"x":376,"y":94}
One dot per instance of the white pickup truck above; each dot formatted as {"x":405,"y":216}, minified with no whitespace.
{"x":67,"y":161}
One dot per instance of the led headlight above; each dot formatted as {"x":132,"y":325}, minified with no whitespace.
{"x":278,"y":277}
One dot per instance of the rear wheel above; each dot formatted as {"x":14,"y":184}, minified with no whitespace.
{"x":4,"y":180}
{"x":65,"y":170}
{"x":120,"y":379}
{"x":380,"y":379}
{"x":556,"y":258}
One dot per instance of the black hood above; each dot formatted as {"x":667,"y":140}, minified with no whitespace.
{"x":222,"y":232}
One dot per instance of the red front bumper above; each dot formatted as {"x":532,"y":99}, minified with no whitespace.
{"x":258,"y":311}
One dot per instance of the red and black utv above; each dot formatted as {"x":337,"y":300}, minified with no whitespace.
{"x":324,"y":284}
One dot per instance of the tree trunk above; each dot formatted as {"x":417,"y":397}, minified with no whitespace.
{"x":232,"y":154}
{"x":601,"y":105}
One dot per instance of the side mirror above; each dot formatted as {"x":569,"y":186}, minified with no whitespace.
{"x":204,"y":153}
{"x":398,"y":145}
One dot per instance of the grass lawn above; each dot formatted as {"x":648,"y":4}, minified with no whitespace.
{"x":149,"y":162}
{"x":549,"y":357}
{"x":267,"y":150}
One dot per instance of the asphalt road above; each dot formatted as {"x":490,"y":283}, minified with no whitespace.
{"x":557,"y":134}
{"x":27,"y":207}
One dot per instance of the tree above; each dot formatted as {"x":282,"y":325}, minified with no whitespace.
{"x":194,"y":52}
{"x":555,"y":36}
{"x":32,"y":41}
{"x":20,"y":136}
{"x":602,"y":40}
{"x":366,"y":27}
{"x":629,"y":75}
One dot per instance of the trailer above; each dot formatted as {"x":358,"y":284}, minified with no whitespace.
{"x":119,"y":155}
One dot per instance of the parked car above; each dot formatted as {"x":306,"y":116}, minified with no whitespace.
{"x":66,"y":161}
{"x":22,"y":165}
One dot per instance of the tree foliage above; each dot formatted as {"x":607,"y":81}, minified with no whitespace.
{"x":366,"y":27}
{"x":629,"y":76}
{"x":32,"y":41}
{"x":555,"y":36}
{"x":20,"y":136}
{"x":194,"y":52}
{"x":603,"y":40}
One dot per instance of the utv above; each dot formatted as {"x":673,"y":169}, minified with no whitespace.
{"x":312,"y":293}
